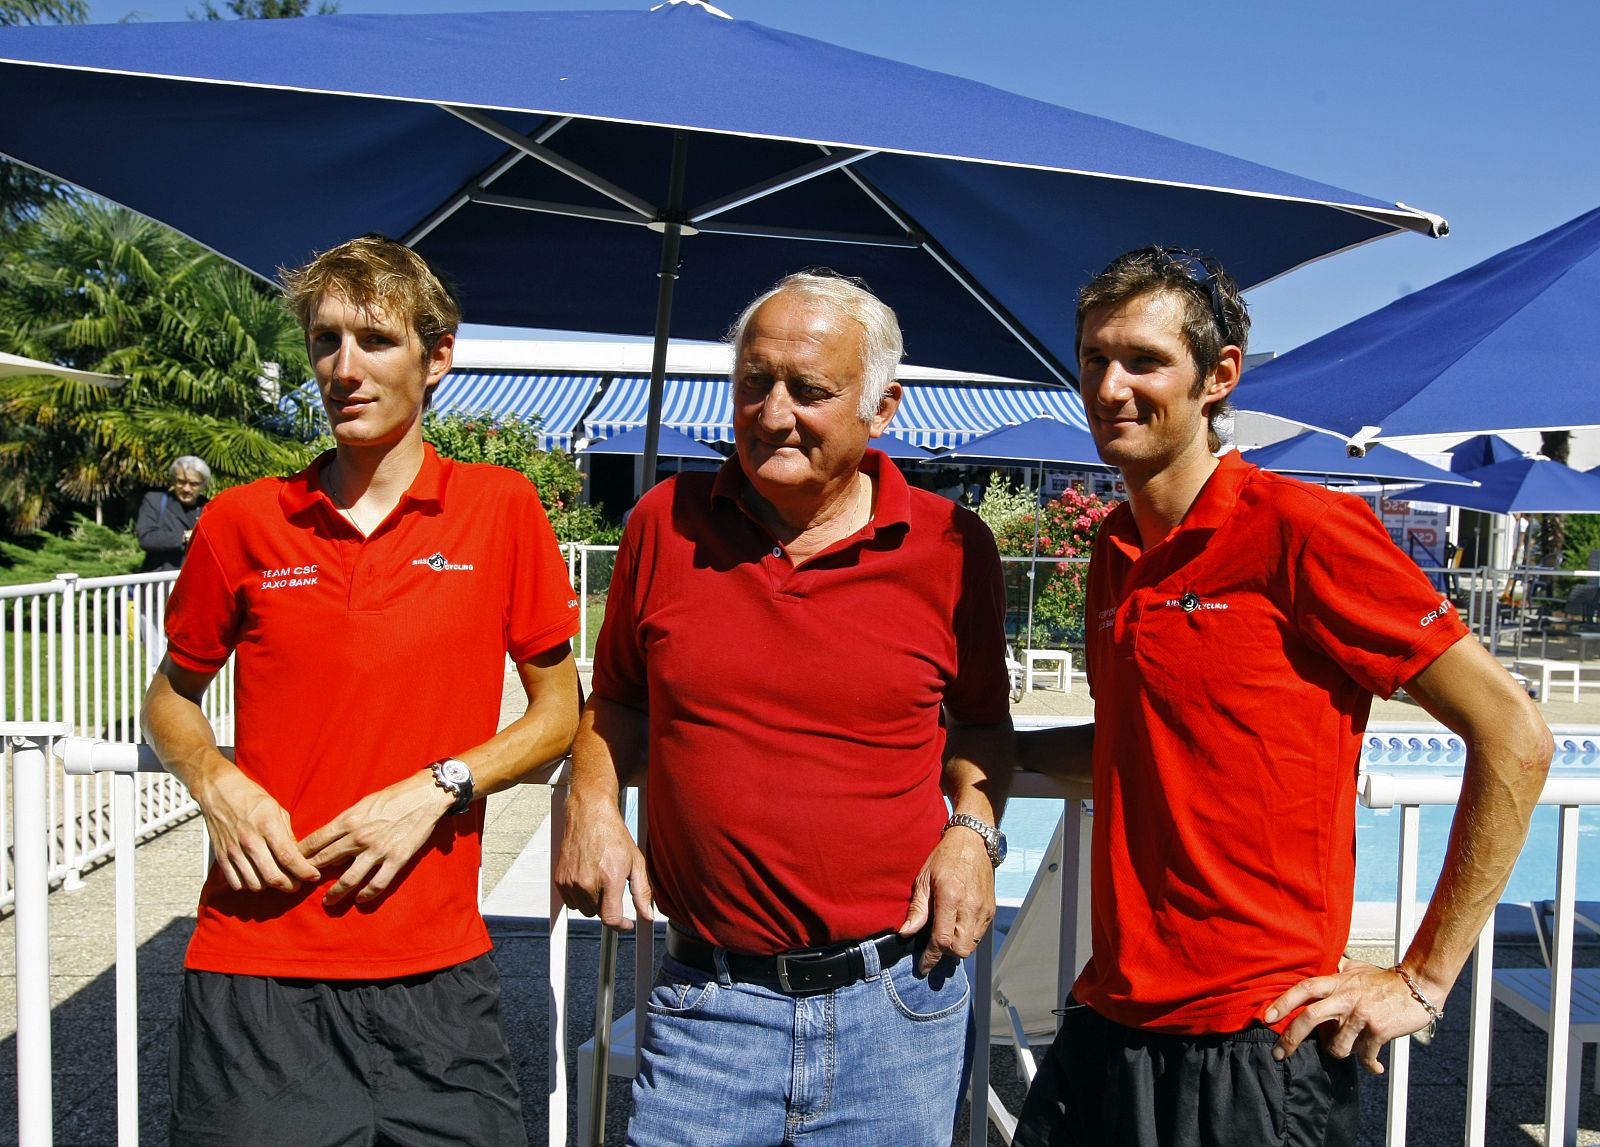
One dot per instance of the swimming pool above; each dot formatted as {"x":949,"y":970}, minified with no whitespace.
{"x":1414,"y":750}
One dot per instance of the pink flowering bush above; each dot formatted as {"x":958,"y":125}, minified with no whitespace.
{"x":1067,"y":526}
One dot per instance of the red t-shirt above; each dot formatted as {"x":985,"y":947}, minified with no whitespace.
{"x":795,"y":736}
{"x":1233,"y":667}
{"x":359,"y":662}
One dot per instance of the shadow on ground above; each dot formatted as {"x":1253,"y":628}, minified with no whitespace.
{"x":83,"y":1033}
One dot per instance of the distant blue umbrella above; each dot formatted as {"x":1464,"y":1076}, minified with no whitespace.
{"x":1318,"y":455}
{"x":1456,"y":356}
{"x":899,"y":448}
{"x":1481,"y":450}
{"x":1521,"y":486}
{"x":673,"y":444}
{"x":1039,"y":441}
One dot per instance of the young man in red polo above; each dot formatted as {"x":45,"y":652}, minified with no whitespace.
{"x":1238,"y":624}
{"x":338,"y":985}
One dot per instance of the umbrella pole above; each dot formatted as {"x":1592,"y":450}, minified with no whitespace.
{"x":1033,"y":558}
{"x":671,"y":224}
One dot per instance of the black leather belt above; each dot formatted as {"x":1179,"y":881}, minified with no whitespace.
{"x":802,"y":971}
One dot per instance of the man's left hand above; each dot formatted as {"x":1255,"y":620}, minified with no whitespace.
{"x":955,"y":886}
{"x":379,"y":835}
{"x":1363,"y":1005}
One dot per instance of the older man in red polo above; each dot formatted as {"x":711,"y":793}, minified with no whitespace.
{"x":809,"y":655}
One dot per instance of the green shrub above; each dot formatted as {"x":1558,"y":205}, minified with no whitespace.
{"x":87,"y":549}
{"x":1066,"y":529}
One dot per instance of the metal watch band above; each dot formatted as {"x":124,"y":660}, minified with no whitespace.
{"x":991,"y":835}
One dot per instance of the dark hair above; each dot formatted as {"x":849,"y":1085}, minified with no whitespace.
{"x":1214,"y":313}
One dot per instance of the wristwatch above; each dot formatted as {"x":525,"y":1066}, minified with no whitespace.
{"x":993,"y":839}
{"x":455,"y":778}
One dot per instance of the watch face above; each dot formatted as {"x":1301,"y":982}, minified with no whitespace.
{"x":999,"y":848}
{"x":455,"y":772}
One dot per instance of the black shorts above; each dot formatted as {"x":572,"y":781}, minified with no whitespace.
{"x":1102,"y":1083}
{"x":417,"y":1061}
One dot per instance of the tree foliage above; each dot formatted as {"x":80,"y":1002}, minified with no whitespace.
{"x":1066,"y":527}
{"x":94,"y":286}
{"x":514,"y":443}
{"x":87,"y":549}
{"x":264,"y":9}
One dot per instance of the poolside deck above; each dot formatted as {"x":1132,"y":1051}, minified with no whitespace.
{"x":169,"y":878}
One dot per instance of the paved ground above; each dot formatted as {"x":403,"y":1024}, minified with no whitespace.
{"x":168,"y":881}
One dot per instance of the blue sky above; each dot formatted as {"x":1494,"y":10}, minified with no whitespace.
{"x":1486,"y":113}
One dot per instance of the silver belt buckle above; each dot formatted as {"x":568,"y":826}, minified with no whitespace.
{"x":783,"y":973}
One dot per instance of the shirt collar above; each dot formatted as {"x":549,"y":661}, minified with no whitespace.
{"x":303,"y":491}
{"x":1211,"y":508}
{"x":893,"y":504}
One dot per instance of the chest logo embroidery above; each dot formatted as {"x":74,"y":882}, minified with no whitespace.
{"x":289,"y":577}
{"x":1191,"y":602}
{"x":438,"y":563}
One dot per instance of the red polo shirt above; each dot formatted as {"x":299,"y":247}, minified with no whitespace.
{"x":360,"y":661}
{"x":1233,"y":666}
{"x":795,"y":736}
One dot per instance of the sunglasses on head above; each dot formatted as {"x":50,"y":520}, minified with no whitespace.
{"x":1201,"y":269}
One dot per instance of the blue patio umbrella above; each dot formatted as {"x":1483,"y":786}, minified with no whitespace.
{"x":672,"y":444}
{"x":1326,"y":456}
{"x":1521,"y":486}
{"x":566,"y":168}
{"x":1481,"y":450}
{"x":1488,"y":349}
{"x":1041,"y":441}
{"x":899,"y":448}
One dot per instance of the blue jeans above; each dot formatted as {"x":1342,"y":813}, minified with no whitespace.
{"x":741,"y":1065}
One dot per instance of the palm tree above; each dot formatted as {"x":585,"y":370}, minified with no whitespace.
{"x":92,"y":285}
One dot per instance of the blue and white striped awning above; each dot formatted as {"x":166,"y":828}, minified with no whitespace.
{"x":940,"y":416}
{"x":699,"y":407}
{"x":931,"y":415}
{"x":558,"y":400}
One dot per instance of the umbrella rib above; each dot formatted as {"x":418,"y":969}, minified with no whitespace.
{"x":573,"y":210}
{"x":777,"y":183}
{"x":463,"y":196}
{"x":959,"y":274}
{"x":762,"y":231}
{"x":561,"y":163}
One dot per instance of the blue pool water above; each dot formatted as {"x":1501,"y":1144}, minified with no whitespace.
{"x":1029,"y":823}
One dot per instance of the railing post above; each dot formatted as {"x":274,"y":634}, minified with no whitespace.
{"x":124,"y":812}
{"x":67,"y":662}
{"x":1561,"y":1082}
{"x":31,"y":868}
{"x":1405,"y":924}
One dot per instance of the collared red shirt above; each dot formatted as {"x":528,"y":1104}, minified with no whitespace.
{"x":795,"y":738}
{"x":1233,"y":667}
{"x":359,"y":662}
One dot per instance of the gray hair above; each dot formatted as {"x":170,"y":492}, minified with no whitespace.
{"x":848,"y":297}
{"x":190,"y":464}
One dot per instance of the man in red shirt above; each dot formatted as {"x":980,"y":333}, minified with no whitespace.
{"x":1238,"y":624}
{"x":793,"y":645}
{"x":338,"y":986}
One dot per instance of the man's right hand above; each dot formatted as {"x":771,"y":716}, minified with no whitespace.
{"x":597,"y":859}
{"x":252,"y":838}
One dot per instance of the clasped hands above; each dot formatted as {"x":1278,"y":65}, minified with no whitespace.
{"x":255,"y":845}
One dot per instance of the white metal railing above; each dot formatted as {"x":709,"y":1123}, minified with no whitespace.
{"x":1408,"y":794}
{"x":78,"y":653}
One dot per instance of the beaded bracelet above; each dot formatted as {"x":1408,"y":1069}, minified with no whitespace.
{"x":1434,"y":1014}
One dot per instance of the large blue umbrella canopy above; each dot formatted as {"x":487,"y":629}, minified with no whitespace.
{"x":1491,"y":348}
{"x":1481,"y":450}
{"x":551,"y":162}
{"x":1041,"y":441}
{"x":673,"y":444}
{"x":1521,"y":486}
{"x":1326,"y":456}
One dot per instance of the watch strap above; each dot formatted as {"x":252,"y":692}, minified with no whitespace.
{"x":990,"y":834}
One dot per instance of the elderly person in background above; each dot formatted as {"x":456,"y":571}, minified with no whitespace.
{"x":789,"y":645}
{"x":167,"y":517}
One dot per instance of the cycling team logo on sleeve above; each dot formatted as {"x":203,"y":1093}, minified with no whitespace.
{"x":1443,"y":609}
